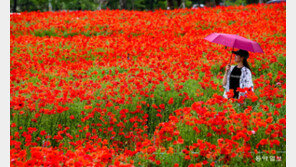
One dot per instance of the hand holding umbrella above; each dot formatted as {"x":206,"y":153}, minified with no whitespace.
{"x":244,"y":45}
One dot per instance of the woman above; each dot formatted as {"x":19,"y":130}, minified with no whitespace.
{"x":239,"y":75}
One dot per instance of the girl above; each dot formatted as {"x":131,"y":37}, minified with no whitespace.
{"x":239,"y":75}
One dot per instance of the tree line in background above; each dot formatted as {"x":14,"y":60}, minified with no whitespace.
{"x":57,"y":5}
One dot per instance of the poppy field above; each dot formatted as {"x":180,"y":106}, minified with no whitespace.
{"x":134,"y":88}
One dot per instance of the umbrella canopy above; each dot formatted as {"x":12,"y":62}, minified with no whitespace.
{"x":234,"y":41}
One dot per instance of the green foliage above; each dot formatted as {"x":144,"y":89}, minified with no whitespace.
{"x":161,"y":4}
{"x":30,"y":5}
{"x":81,"y":5}
{"x":235,"y":2}
{"x":139,"y":4}
{"x":188,"y":3}
{"x":43,"y":5}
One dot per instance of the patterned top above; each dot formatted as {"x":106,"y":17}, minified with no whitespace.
{"x":245,"y":81}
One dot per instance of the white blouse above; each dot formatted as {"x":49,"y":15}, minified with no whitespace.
{"x":244,"y":82}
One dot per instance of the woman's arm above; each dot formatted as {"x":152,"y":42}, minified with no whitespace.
{"x":249,"y":79}
{"x":225,"y":75}
{"x":225,"y":79}
{"x":246,"y":81}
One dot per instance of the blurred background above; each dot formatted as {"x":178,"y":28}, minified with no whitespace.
{"x":58,"y":5}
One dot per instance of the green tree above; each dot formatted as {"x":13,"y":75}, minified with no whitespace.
{"x":56,"y":5}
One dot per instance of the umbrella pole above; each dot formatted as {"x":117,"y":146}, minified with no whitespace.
{"x":230,"y":57}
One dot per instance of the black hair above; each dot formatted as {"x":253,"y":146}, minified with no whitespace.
{"x":246,"y":64}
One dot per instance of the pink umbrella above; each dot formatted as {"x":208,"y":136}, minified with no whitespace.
{"x":234,"y":41}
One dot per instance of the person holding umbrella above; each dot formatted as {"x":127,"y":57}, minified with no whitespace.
{"x":238,"y":75}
